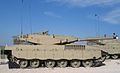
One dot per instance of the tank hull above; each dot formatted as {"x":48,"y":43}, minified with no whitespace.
{"x":51,"y":55}
{"x":54,"y":52}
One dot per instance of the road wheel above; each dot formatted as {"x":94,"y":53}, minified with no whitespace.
{"x":114,"y":56}
{"x":75,"y":63}
{"x":50,"y":63}
{"x":62,"y":63}
{"x":34,"y":63}
{"x":87,"y":63}
{"x":23,"y":63}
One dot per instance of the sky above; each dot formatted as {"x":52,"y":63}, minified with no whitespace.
{"x":81,"y":18}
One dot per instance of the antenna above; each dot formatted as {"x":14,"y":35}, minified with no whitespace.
{"x":21,"y":16}
{"x":97,"y":25}
{"x":30,"y":23}
{"x":21,"y":27}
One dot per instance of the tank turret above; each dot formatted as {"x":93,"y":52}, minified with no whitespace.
{"x":43,"y":38}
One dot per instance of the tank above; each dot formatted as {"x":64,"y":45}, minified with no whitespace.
{"x":50,"y":50}
{"x":110,"y":45}
{"x":113,"y":48}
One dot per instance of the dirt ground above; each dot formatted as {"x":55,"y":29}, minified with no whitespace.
{"x":111,"y":66}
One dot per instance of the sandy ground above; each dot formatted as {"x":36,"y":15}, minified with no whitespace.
{"x":111,"y":66}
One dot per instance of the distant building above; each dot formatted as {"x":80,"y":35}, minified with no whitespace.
{"x":2,"y":56}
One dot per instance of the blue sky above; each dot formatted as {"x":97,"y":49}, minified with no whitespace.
{"x":69,"y":17}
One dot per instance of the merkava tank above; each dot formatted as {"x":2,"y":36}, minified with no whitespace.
{"x":113,"y":48}
{"x":51,"y":50}
{"x":110,"y":45}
